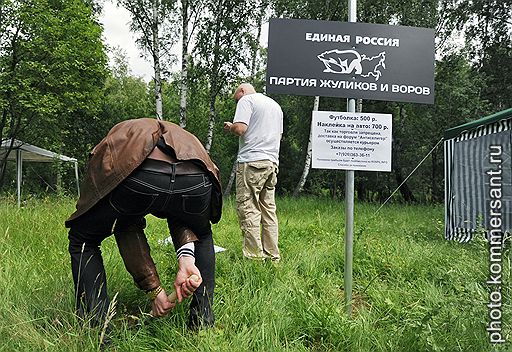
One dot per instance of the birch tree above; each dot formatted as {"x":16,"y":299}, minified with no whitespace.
{"x":309,"y":151}
{"x":222,"y":48}
{"x":255,"y":66}
{"x":153,"y":21}
{"x":190,"y":16}
{"x":262,"y":8}
{"x":325,"y":10}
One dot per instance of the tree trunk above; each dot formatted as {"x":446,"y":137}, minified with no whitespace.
{"x":156,"y":61}
{"x":232,"y":175}
{"x":361,"y":190}
{"x":5,"y":155}
{"x":307,"y":162}
{"x":334,"y":186}
{"x":3,"y":160}
{"x":211,"y":123}
{"x":215,"y":83}
{"x":405,"y":191}
{"x":259,"y":20}
{"x":397,"y":171}
{"x":3,"y":165}
{"x":254,"y":69}
{"x":184,"y":64}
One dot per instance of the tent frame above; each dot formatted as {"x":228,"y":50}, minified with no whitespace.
{"x":22,"y":151}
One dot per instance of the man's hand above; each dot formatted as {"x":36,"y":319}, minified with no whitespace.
{"x":183,"y":285}
{"x":161,"y":305}
{"x":237,"y":128}
{"x":227,"y":126}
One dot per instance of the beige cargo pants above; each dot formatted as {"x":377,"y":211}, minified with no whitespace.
{"x":256,"y":207}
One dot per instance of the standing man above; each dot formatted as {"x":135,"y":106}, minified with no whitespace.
{"x":258,"y":122}
{"x":146,"y":166}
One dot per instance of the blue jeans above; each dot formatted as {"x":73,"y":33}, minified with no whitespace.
{"x":184,"y":200}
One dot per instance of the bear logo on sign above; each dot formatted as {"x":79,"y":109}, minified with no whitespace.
{"x":351,"y":62}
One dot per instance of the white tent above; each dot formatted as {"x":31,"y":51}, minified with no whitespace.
{"x":21,"y":151}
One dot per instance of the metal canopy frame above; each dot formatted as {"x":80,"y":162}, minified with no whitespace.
{"x":21,"y":151}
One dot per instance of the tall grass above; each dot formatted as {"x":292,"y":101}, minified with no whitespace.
{"x":413,"y":291}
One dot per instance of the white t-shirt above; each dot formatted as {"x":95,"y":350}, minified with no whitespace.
{"x":264,"y":120}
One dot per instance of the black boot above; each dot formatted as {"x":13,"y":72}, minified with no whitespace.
{"x":201,"y":312}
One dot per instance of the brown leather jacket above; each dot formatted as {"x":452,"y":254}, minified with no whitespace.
{"x":125,"y":147}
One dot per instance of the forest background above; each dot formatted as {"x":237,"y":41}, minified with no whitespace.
{"x":58,"y":90}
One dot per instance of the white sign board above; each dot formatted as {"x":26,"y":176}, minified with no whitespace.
{"x":351,"y":141}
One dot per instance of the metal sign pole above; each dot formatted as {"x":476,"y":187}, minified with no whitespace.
{"x":349,"y":198}
{"x":297,"y":49}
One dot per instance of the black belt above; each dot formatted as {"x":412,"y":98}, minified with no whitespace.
{"x":178,"y":168}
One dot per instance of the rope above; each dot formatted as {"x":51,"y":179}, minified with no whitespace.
{"x":417,"y":166}
{"x":42,"y":179}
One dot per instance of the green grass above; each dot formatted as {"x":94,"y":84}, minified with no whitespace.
{"x":413,"y":291}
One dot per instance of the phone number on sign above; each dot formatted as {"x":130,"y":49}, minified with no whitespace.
{"x":357,"y":155}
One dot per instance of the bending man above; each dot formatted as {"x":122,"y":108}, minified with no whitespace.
{"x":141,"y":167}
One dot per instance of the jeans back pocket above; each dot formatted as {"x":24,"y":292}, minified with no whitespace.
{"x":196,"y":204}
{"x":129,"y":201}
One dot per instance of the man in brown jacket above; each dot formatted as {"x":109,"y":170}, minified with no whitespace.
{"x":146,"y":166}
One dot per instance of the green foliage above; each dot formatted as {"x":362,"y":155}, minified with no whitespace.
{"x":488,"y":33}
{"x":413,"y":291}
{"x":52,"y":67}
{"x":222,"y":44}
{"x":197,"y":105}
{"x":57,"y":92}
{"x":125,"y":96}
{"x":223,"y":50}
{"x":462,"y":93}
{"x":332,"y":10}
{"x":143,"y":25}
